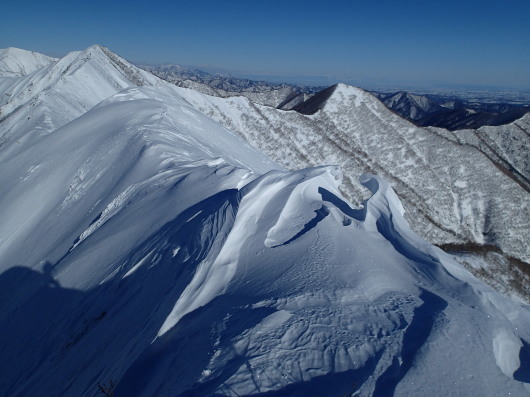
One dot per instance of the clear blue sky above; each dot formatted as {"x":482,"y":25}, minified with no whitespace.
{"x":454,"y":42}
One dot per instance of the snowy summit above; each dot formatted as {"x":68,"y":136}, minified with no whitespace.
{"x":146,"y":250}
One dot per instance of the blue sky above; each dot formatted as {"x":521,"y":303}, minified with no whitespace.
{"x":424,"y":43}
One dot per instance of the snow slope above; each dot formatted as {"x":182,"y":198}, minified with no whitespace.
{"x":144,"y":246}
{"x":505,"y":144}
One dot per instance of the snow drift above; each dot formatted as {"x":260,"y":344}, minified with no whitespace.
{"x":146,"y":247}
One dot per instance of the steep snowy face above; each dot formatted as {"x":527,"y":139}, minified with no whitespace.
{"x":454,"y":192}
{"x":147,"y":249}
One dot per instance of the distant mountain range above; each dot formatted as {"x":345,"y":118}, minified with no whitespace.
{"x":449,"y":113}
{"x":283,"y":96}
{"x":423,"y":110}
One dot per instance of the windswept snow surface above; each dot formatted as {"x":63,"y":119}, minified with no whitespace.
{"x":144,"y":245}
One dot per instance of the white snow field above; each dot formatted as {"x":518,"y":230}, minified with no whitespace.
{"x":147,"y":249}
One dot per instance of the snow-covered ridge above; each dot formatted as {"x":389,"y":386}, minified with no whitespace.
{"x":145,"y":246}
{"x":15,"y":62}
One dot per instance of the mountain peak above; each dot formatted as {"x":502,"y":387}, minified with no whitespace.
{"x":97,"y":47}
{"x":99,"y":60}
{"x":94,"y":49}
{"x":339,"y":96}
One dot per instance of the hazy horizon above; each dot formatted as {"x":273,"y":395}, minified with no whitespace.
{"x":423,"y":44}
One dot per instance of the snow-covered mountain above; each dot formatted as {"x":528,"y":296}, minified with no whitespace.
{"x":15,"y":62}
{"x":454,"y":192}
{"x":52,"y":95}
{"x":451,"y":114}
{"x":411,"y":106}
{"x":146,"y":249}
